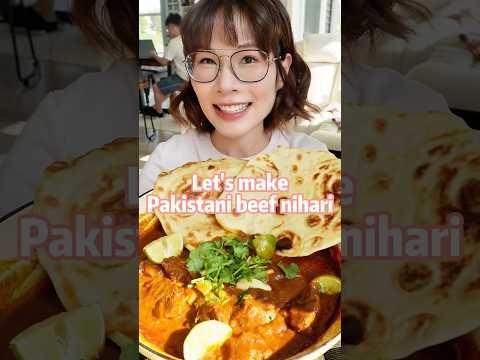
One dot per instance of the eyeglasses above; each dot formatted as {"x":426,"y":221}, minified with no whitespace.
{"x":247,"y":65}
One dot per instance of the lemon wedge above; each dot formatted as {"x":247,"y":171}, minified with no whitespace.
{"x":204,"y":338}
{"x":79,"y":334}
{"x":328,"y":284}
{"x":165,"y":247}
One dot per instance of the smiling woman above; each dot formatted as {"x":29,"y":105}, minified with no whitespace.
{"x":246,"y":83}
{"x":249,"y":284}
{"x":258,"y":25}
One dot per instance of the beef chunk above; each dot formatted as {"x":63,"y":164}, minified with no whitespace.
{"x":176,"y":269}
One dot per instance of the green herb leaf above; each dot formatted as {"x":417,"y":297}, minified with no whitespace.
{"x":291,"y":271}
{"x":226,"y":261}
{"x":241,"y":252}
{"x":195,"y":261}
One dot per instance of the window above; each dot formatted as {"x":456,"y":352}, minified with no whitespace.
{"x":314,"y":16}
{"x":322,"y":16}
{"x":150,"y":22}
{"x":179,"y":6}
{"x":336,"y":17}
{"x":173,"y":6}
{"x":313,"y":9}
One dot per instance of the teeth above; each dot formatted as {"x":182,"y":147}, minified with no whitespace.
{"x":233,"y":108}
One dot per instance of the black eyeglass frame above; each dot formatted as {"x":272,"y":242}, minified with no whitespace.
{"x":269,"y":62}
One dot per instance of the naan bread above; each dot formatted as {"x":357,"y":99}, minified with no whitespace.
{"x":311,"y":173}
{"x":379,"y":139}
{"x":445,"y":175}
{"x":245,"y":222}
{"x":195,"y":228}
{"x":394,"y":308}
{"x":93,"y":185}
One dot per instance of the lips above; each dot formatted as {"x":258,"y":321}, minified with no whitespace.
{"x":232,"y":111}
{"x":233,"y":108}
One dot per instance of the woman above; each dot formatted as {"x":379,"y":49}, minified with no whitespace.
{"x":247,"y":82}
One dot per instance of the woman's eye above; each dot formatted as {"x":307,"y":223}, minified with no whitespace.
{"x":207,"y":61}
{"x":248,"y":60}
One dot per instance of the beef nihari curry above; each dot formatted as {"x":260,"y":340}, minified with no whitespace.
{"x":275,"y":307}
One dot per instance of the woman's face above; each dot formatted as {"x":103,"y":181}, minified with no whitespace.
{"x":236,"y":108}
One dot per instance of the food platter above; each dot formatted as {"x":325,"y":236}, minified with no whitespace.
{"x":330,"y":338}
{"x":278,"y":289}
{"x":211,"y":281}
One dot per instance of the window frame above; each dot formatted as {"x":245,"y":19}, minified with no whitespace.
{"x":330,"y":16}
{"x":162,"y":17}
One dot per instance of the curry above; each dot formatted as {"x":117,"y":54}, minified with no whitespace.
{"x":272,"y":324}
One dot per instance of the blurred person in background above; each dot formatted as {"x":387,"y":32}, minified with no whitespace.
{"x":173,"y":54}
{"x":92,"y":111}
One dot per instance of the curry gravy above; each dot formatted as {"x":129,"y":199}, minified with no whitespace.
{"x":266,"y":324}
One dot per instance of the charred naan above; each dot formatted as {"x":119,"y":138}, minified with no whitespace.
{"x":93,"y":185}
{"x":245,"y":222}
{"x":418,"y":175}
{"x":195,"y":228}
{"x":314,"y":174}
{"x":382,"y":138}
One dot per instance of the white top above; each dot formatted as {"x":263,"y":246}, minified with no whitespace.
{"x":195,"y":146}
{"x":363,"y":84}
{"x":92,"y":111}
{"x":174,"y":52}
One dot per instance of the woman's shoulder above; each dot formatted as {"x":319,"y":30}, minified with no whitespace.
{"x":295,"y":139}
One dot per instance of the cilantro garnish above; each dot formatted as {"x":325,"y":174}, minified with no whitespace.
{"x":291,"y":271}
{"x":226,"y":262}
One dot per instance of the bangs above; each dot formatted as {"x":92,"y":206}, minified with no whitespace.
{"x":235,"y":15}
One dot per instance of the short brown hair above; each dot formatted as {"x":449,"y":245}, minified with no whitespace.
{"x":271,"y":27}
{"x":120,"y":15}
{"x":364,"y":18}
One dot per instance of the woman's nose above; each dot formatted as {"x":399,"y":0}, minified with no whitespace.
{"x":226,"y":80}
